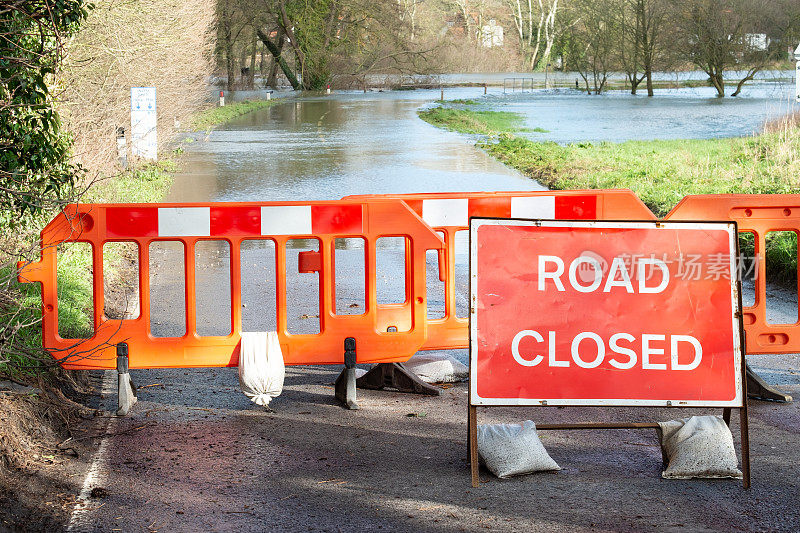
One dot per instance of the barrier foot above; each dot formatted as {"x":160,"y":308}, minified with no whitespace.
{"x":345,"y":388}
{"x":395,"y":376}
{"x":758,"y":389}
{"x":126,"y":390}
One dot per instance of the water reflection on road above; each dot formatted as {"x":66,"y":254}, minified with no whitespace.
{"x":327,"y":147}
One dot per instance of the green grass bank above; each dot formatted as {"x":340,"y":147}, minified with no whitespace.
{"x":465,"y":120}
{"x":661,"y":173}
{"x":215,"y":116}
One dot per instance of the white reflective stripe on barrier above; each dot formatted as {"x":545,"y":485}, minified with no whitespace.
{"x":286,"y":220}
{"x":533,"y":207}
{"x":449,"y":212}
{"x":184,"y":221}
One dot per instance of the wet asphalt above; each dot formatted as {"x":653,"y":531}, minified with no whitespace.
{"x":195,"y":455}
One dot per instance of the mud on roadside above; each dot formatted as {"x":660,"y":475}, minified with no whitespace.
{"x":44,"y":435}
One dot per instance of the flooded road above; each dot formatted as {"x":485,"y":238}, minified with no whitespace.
{"x":328,"y":147}
{"x":323,"y":148}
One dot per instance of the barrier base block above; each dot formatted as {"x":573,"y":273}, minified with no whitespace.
{"x":126,"y":393}
{"x":126,"y":390}
{"x":395,"y":376}
{"x":759,"y":389}
{"x":345,"y":388}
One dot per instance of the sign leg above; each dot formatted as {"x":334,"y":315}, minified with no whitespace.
{"x":472,"y":431}
{"x":743,"y":423}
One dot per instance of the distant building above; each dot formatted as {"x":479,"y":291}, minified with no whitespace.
{"x":758,"y":42}
{"x":492,"y":35}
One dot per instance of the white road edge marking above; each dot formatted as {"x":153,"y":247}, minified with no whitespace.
{"x":94,"y":476}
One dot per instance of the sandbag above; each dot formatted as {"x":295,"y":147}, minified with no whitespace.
{"x":261,"y":369}
{"x":698,"y":447}
{"x":437,"y":368}
{"x":513,"y":449}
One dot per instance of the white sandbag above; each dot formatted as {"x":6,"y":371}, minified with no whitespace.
{"x":437,"y":368}
{"x":513,"y":449}
{"x":261,"y":369}
{"x":698,"y":447}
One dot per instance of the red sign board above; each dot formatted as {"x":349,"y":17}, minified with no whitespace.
{"x":604,"y":313}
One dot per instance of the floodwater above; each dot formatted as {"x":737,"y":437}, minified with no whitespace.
{"x":570,"y":116}
{"x":323,"y":148}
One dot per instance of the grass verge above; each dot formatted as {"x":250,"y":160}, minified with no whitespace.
{"x":219,"y":115}
{"x":25,"y":360}
{"x":661,"y":173}
{"x":469,"y":121}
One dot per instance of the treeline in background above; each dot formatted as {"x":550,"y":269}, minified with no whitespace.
{"x":311,"y":44}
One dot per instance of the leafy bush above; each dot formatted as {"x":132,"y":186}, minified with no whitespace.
{"x":35,"y":172}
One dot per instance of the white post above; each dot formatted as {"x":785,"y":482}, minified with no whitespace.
{"x":222,"y":98}
{"x":797,"y":72}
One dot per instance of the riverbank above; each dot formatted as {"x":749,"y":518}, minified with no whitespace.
{"x":660,"y":172}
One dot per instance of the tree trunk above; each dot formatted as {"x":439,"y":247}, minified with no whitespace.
{"x":229,"y":66}
{"x":262,"y":68}
{"x":242,"y":63}
{"x":227,"y":45}
{"x":276,"y":54}
{"x":750,"y":75}
{"x":649,"y":74}
{"x":272,"y":81}
{"x":718,"y":83}
{"x":272,"y":77}
{"x":288,"y":29}
{"x":252,"y":75}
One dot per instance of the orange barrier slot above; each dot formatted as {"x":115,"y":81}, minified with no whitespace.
{"x":385,"y":332}
{"x":757,"y":214}
{"x":449,"y":213}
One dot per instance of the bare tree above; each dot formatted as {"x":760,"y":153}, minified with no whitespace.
{"x":723,"y":35}
{"x":535,"y":26}
{"x":591,"y":42}
{"x":231,"y":21}
{"x":465,"y":9}
{"x":629,"y":48}
{"x":651,"y":19}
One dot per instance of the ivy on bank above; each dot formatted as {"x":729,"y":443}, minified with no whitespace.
{"x":35,"y":171}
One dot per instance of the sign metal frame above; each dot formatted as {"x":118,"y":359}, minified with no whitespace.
{"x":739,"y":402}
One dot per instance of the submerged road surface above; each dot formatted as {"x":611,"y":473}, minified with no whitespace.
{"x":196,"y":455}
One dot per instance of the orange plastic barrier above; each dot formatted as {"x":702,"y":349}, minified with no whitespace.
{"x":757,"y":214}
{"x":385,"y":333}
{"x":449,"y":213}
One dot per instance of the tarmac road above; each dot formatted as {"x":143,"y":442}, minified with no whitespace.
{"x":195,"y":455}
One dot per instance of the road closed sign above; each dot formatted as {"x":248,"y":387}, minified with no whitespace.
{"x":604,"y":313}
